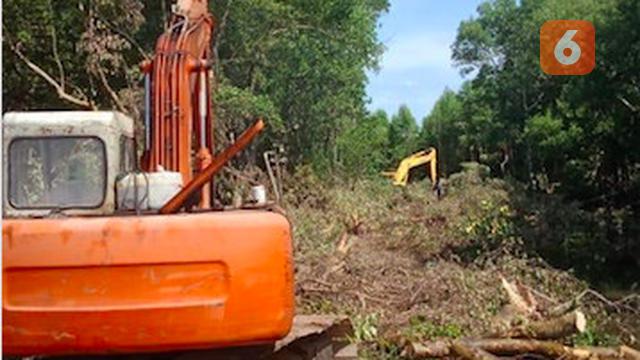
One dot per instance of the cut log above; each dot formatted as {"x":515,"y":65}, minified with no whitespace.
{"x":423,"y":350}
{"x":629,"y":353}
{"x":490,"y":348}
{"x":511,"y":347}
{"x":568,"y":324}
{"x":469,"y":351}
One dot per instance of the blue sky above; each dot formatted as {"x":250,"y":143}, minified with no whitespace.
{"x":416,"y":66}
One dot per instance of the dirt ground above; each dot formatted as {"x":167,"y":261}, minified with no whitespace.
{"x":402,"y":263}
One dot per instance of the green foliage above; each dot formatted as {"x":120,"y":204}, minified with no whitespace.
{"x":365,"y":327}
{"x":573,"y":136}
{"x":490,"y":229}
{"x":442,"y":129}
{"x":492,"y":224}
{"x":309,"y":59}
{"x":300,"y":65}
{"x":594,"y":337}
{"x":421,"y":328}
{"x":240,"y":105}
{"x":403,"y":134}
{"x":82,"y":48}
{"x":552,"y":143}
{"x":237,"y":108}
{"x":363,"y":148}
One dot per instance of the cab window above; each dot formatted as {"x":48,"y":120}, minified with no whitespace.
{"x":57,"y":172}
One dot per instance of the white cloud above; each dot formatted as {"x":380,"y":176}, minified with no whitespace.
{"x":414,"y":71}
{"x":425,"y":50}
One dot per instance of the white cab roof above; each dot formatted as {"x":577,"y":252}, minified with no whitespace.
{"x":69,"y":122}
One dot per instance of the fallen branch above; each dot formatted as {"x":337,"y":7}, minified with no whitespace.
{"x":530,"y":338}
{"x":629,"y":353}
{"x":575,"y":302}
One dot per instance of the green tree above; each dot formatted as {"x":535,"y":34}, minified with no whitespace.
{"x":501,"y":45}
{"x":308,"y":58}
{"x":60,"y":54}
{"x":553,"y":143}
{"x":403,"y":135}
{"x":442,"y":129}
{"x":574,"y":135}
{"x":363,"y":148}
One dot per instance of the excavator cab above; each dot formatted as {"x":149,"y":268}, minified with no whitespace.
{"x":67,"y":161}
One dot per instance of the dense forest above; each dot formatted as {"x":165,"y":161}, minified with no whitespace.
{"x":302,"y":66}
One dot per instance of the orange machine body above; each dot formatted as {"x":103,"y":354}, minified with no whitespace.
{"x":146,"y":283}
{"x":116,"y":282}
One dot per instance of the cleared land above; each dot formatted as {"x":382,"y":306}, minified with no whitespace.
{"x":407,"y":267}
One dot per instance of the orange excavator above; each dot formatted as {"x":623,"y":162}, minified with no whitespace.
{"x":106,"y":253}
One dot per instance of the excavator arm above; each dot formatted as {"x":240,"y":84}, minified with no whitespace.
{"x":178,"y":118}
{"x":429,"y":156}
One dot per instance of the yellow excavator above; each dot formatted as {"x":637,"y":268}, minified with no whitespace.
{"x":429,"y":156}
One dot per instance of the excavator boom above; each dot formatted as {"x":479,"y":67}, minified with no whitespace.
{"x":401,"y":174}
{"x":178,"y":117}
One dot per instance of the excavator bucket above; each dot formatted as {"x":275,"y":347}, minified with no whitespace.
{"x":95,"y":285}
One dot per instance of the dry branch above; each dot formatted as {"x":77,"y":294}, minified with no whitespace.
{"x":58,"y":86}
{"x":114,"y":97}
{"x":433,"y":349}
{"x":575,"y":302}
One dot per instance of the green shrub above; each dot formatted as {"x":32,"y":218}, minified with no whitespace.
{"x":594,"y":337}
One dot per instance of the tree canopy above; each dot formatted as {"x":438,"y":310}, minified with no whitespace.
{"x":570,"y":135}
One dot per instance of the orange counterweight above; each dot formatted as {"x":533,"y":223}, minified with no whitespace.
{"x":145,"y":283}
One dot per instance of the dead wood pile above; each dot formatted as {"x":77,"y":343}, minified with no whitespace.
{"x":530,"y":333}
